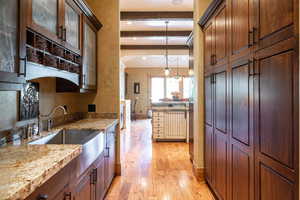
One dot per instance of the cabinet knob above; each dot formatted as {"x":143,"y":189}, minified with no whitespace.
{"x":43,"y":197}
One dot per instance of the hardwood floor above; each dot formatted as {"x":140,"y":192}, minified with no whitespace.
{"x":155,"y":171}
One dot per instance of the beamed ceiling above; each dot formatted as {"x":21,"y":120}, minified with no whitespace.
{"x":143,"y":34}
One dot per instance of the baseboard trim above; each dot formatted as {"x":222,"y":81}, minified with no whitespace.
{"x":199,"y":174}
{"x":118,"y":170}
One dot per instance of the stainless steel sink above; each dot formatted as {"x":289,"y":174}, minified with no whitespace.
{"x":68,"y":137}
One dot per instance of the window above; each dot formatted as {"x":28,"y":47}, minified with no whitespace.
{"x":162,"y":88}
{"x":187,"y":87}
{"x":173,"y":85}
{"x":157,"y":89}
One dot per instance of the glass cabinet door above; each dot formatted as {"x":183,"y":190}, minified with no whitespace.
{"x":72,"y":25}
{"x":45,"y":14}
{"x":89,"y":67}
{"x":8,"y":35}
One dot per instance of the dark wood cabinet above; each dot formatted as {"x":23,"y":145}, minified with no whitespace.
{"x":48,"y":38}
{"x":209,"y":45}
{"x":12,"y":56}
{"x":216,"y":39}
{"x":274,"y":21}
{"x":241,"y":30}
{"x":84,"y":189}
{"x":251,"y":104}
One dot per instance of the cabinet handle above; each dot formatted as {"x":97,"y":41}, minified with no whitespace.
{"x":60,"y":32}
{"x":254,"y":36}
{"x":83,"y":79}
{"x":212,"y":60}
{"x":250,"y":38}
{"x":25,"y":66}
{"x":43,"y":197}
{"x":68,"y":196}
{"x":107,"y":150}
{"x":215,"y":59}
{"x":252,"y":71}
{"x":65,"y":34}
{"x":94,"y":176}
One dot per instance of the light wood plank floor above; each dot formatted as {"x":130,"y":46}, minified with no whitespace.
{"x":155,"y":171}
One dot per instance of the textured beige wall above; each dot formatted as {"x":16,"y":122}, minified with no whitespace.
{"x":143,"y":76}
{"x":107,"y":98}
{"x":199,"y":8}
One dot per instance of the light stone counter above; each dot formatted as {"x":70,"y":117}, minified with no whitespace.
{"x":24,"y":168}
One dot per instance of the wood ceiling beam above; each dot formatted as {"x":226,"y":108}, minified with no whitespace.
{"x":161,"y":16}
{"x":147,"y":47}
{"x":155,"y":33}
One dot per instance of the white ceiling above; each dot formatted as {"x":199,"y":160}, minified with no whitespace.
{"x":154,"y":58}
{"x":156,"y":25}
{"x":156,"y":5}
{"x":155,"y":61}
{"x":153,"y":40}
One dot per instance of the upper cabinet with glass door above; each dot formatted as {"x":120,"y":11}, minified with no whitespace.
{"x":10,"y":39}
{"x":72,"y":24}
{"x":46,"y":18}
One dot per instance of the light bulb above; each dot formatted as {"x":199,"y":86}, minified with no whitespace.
{"x":129,"y":23}
{"x":191,"y":72}
{"x":144,"y":58}
{"x":167,"y":71}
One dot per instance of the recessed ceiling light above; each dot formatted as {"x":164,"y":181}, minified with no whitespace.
{"x":177,"y":2}
{"x":129,"y":23}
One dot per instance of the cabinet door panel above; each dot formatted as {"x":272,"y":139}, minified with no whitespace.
{"x":209,"y":153}
{"x":220,"y":35}
{"x":72,"y":23}
{"x":240,"y":174}
{"x":89,"y":57}
{"x":240,"y":103}
{"x":84,"y":189}
{"x":45,"y":14}
{"x":276,"y":108}
{"x":240,"y":17}
{"x":8,"y":35}
{"x":220,"y":101}
{"x":220,"y":165}
{"x":274,"y":20}
{"x":274,"y":186}
{"x":208,"y":101}
{"x":208,"y":34}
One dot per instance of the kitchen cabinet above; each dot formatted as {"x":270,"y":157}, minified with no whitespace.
{"x":216,"y":39}
{"x":110,"y":157}
{"x":45,"y":38}
{"x":89,"y":66}
{"x":208,"y":44}
{"x":83,"y":178}
{"x":72,"y":24}
{"x":84,"y":188}
{"x":12,"y":57}
{"x":241,"y":29}
{"x":45,"y":17}
{"x":251,"y":101}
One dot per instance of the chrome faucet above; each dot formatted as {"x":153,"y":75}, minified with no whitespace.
{"x":50,"y":115}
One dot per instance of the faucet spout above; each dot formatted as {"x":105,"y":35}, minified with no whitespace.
{"x":54,"y":111}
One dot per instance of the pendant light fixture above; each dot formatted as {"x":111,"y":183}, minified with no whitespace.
{"x":177,"y":75}
{"x":167,"y":70}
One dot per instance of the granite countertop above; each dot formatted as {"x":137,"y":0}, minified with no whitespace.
{"x":96,"y":124}
{"x":26,"y":167}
